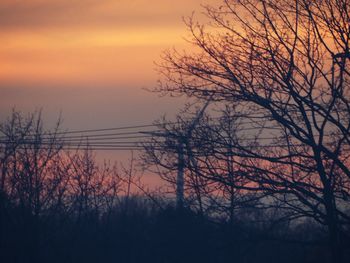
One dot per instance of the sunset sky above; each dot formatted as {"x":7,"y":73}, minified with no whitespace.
{"x":89,"y":59}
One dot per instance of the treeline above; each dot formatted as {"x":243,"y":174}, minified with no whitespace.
{"x":61,"y":206}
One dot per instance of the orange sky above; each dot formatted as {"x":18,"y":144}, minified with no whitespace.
{"x":87,"y":56}
{"x":65,"y":42}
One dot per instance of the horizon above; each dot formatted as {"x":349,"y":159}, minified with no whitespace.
{"x":86,"y":59}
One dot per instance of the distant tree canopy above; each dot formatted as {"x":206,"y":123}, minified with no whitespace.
{"x":284,"y":66}
{"x":60,"y":205}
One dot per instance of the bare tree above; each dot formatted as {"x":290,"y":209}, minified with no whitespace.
{"x":213,"y":182}
{"x":213,"y":157}
{"x":287,"y":63}
{"x":30,"y":154}
{"x":93,"y":189}
{"x":32,"y":177}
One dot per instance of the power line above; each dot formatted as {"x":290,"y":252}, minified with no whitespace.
{"x":138,"y":146}
{"x":117,"y":140}
{"x":126,"y":140}
{"x":86,"y":132}
{"x":104,"y":129}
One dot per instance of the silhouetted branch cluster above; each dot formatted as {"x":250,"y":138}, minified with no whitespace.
{"x":50,"y":195}
{"x":61,"y":206}
{"x":287,"y":64}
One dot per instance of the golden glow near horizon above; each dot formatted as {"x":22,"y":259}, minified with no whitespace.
{"x":78,"y":57}
{"x":76,"y":42}
{"x":89,"y":59}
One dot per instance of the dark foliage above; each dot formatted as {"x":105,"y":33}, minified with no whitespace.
{"x":149,"y":235}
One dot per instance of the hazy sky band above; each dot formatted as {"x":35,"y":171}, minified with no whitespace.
{"x":89,"y":60}
{"x":15,"y":14}
{"x":59,"y":41}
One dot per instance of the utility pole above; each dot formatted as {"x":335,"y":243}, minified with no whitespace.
{"x":181,"y":160}
{"x":181,"y":141}
{"x":180,"y":175}
{"x":341,"y":63}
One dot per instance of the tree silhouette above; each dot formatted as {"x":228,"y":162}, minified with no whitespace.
{"x":284,"y":63}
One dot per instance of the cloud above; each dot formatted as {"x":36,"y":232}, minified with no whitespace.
{"x":85,"y":41}
{"x":36,"y":14}
{"x":52,"y":48}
